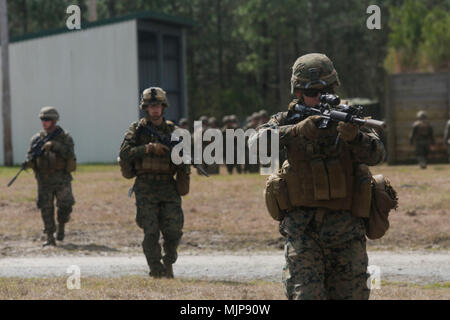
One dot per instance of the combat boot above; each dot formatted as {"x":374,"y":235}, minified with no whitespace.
{"x":169,"y":270}
{"x":60,"y":233}
{"x":50,"y":240}
{"x":157,"y":270}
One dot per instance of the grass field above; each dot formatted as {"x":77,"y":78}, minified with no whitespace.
{"x":134,"y":287}
{"x":222,"y":213}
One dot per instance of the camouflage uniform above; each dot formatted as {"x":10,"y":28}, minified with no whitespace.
{"x":54,"y":180}
{"x":157,"y":201}
{"x":422,"y":137}
{"x":325,"y":249}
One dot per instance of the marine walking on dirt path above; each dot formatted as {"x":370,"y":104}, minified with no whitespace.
{"x":52,"y":168}
{"x":158,"y":194}
{"x":325,"y":240}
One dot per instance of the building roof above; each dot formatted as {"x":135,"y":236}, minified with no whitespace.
{"x":142,"y":15}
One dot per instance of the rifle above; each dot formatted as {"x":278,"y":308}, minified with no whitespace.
{"x":330,"y":109}
{"x":36,"y":151}
{"x":171,"y":144}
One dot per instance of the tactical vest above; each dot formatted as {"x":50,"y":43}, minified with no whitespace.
{"x":423,"y":129}
{"x":151,"y":163}
{"x":319,"y":174}
{"x":50,"y":162}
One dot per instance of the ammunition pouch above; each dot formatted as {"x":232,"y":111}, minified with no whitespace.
{"x":276,"y":196}
{"x":183,"y":180}
{"x":362,"y":196}
{"x":154,"y":164}
{"x":384,"y":199}
{"x":50,"y":162}
{"x":127,"y":169}
{"x":71,"y":165}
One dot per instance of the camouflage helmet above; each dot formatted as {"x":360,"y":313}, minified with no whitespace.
{"x":314,"y":70}
{"x":263,"y":113}
{"x":154,"y":95}
{"x":226,"y":119}
{"x":212,"y":120}
{"x":49,"y":113}
{"x":421,"y":115}
{"x":183,"y":122}
{"x":203,"y":119}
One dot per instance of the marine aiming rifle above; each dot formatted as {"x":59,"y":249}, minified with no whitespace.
{"x":36,"y":151}
{"x":330,"y":109}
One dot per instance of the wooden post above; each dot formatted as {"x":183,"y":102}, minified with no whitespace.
{"x":6,"y":95}
{"x":390,"y":121}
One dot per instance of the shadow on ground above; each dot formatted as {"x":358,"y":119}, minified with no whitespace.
{"x":87,"y":247}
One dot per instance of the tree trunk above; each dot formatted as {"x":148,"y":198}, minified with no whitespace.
{"x":220,"y":42}
{"x":92,"y":8}
{"x":6,"y":97}
{"x":25,"y":16}
{"x":112,"y":8}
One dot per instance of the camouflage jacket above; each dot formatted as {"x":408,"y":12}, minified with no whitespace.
{"x":133,"y":145}
{"x":422,"y":132}
{"x":63,"y":147}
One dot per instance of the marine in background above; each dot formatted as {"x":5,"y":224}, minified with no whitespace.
{"x":158,"y":193}
{"x":422,"y":138}
{"x":52,"y":170}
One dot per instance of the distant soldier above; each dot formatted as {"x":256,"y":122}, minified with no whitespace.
{"x":422,"y":137}
{"x":254,"y":123}
{"x":234,"y":123}
{"x":263,"y":116}
{"x":183,"y":124}
{"x":158,"y":194}
{"x":52,"y":170}
{"x":213,"y":124}
{"x":254,"y":120}
{"x":198,"y":134}
{"x":447,"y":138}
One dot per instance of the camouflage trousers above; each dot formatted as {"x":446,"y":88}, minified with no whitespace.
{"x":64,"y":202}
{"x":159,"y":212}
{"x":317,"y":268}
{"x":422,"y":151}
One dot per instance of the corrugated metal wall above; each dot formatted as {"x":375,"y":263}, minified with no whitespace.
{"x":90,"y":76}
{"x":407,"y":94}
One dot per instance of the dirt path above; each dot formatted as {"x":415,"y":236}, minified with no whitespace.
{"x":418,"y":267}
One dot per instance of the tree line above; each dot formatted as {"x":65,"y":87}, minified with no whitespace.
{"x":240,"y":53}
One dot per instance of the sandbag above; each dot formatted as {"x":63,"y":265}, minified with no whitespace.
{"x":276,"y":196}
{"x":183,"y":180}
{"x":384,"y":199}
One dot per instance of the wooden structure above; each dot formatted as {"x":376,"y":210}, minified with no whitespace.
{"x":406,"y":95}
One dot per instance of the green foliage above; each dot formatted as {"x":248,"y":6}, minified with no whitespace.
{"x":239,"y":57}
{"x":435,"y":47}
{"x":419,"y":34}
